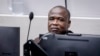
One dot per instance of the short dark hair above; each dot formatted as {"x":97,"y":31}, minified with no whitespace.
{"x":62,"y":7}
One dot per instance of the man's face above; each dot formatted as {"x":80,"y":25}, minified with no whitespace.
{"x":58,"y":21}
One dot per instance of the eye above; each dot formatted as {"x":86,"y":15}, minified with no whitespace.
{"x":61,"y":19}
{"x":51,"y":18}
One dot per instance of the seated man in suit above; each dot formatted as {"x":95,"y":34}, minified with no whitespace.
{"x":58,"y":21}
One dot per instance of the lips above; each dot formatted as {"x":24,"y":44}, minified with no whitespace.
{"x":54,"y":28}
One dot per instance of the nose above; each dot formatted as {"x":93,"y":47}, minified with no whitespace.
{"x":55,"y":22}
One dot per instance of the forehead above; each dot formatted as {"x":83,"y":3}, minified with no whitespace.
{"x":58,"y":12}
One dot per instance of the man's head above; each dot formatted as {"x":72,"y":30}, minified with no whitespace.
{"x":58,"y":20}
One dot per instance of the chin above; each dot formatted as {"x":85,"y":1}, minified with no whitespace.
{"x":55,"y":32}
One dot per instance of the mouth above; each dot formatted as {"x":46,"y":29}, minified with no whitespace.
{"x":54,"y":29}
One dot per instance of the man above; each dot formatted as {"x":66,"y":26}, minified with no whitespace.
{"x":58,"y":21}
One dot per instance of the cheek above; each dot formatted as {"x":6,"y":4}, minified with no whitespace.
{"x":63,"y":26}
{"x":49,"y":24}
{"x":67,"y":26}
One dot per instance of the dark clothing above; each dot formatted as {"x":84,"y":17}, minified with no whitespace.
{"x":37,"y":40}
{"x":69,"y":31}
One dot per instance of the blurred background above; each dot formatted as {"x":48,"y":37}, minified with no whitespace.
{"x":85,"y":16}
